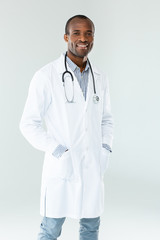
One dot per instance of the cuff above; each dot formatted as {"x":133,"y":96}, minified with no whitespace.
{"x":58,"y":152}
{"x":106,"y":146}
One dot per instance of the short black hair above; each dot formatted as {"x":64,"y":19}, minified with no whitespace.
{"x":76,"y":16}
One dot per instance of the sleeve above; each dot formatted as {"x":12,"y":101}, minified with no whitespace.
{"x":31,"y":124}
{"x":107,"y":119}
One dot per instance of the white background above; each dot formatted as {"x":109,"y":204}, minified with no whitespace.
{"x":127,"y":47}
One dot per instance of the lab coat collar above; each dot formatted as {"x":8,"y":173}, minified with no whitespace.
{"x":61,"y":66}
{"x":73,"y":66}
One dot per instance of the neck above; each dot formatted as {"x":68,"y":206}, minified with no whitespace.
{"x":79,"y":61}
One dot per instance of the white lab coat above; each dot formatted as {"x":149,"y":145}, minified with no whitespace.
{"x":72,"y":185}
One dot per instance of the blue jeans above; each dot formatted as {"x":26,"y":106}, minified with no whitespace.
{"x":50,"y":228}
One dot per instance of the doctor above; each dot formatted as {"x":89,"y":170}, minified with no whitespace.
{"x":77,"y":139}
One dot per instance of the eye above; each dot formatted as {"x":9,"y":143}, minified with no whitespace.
{"x":75,"y":33}
{"x":89,"y":34}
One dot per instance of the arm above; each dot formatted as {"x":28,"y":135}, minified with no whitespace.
{"x":107,"y":120}
{"x":31,"y":124}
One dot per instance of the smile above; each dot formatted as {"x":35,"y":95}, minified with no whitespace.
{"x":82,"y":46}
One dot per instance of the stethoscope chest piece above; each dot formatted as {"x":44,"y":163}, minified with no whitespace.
{"x":95,"y":99}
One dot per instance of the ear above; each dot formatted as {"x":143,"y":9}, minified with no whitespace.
{"x":65,"y":37}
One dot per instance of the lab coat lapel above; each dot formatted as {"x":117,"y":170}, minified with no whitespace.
{"x":89,"y":89}
{"x":77,"y":91}
{"x":78,"y":95}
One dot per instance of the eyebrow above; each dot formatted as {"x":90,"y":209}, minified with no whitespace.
{"x":79,"y":31}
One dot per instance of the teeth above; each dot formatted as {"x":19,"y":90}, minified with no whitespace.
{"x":83,"y":46}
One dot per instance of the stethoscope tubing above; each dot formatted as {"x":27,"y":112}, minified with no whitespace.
{"x":66,"y":71}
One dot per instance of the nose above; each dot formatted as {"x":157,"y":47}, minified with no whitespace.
{"x":83,"y":38}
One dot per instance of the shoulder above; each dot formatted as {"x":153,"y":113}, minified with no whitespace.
{"x":98,"y":71}
{"x":102,"y":76}
{"x":49,"y":68}
{"x":44,"y":76}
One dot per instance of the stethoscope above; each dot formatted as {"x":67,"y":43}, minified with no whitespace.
{"x":68,"y":73}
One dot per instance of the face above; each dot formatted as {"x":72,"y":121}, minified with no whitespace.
{"x":80,"y":37}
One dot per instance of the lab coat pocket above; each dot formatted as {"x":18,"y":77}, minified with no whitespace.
{"x":104,"y":160}
{"x":65,"y":166}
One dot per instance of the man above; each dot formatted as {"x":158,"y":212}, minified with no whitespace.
{"x":78,"y":137}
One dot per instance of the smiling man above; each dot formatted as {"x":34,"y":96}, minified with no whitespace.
{"x":72,"y":97}
{"x":79,"y":34}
